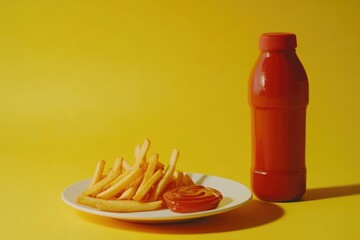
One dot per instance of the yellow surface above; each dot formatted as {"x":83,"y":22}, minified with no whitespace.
{"x":88,"y":80}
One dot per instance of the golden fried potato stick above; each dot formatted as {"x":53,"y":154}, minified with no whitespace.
{"x":121,"y":185}
{"x":137,"y":150}
{"x":141,"y":156}
{"x":118,"y":168}
{"x":118,"y":205}
{"x":131,"y":190}
{"x":153,"y":160}
{"x":187,"y":181}
{"x":178,"y":175}
{"x":118,"y":163}
{"x":167,"y":178}
{"x":125,"y":165}
{"x":118,"y":179}
{"x":99,"y":169}
{"x":144,"y":188}
{"x":99,"y":186}
{"x":159,"y":165}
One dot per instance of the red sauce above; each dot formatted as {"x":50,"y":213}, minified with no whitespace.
{"x":193,"y":198}
{"x":278,"y":96}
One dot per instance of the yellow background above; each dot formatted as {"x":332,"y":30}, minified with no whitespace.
{"x":88,"y":80}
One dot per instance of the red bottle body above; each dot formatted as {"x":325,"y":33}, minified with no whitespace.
{"x":278,"y":96}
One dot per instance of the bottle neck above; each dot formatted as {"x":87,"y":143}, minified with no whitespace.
{"x":292,"y":50}
{"x":288,"y":52}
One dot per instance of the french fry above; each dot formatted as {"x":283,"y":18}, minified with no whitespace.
{"x":178,"y":175}
{"x":97,"y":173}
{"x":125,"y":165}
{"x":121,"y":184}
{"x":144,"y":189}
{"x":118,"y":205}
{"x":153,"y":160}
{"x":118,"y":179}
{"x":131,"y":190}
{"x":118,"y":163}
{"x":99,"y":186}
{"x":117,"y":168}
{"x":137,"y":150}
{"x":140,"y":158}
{"x":159,"y":165}
{"x":167,"y":176}
{"x":187,"y":181}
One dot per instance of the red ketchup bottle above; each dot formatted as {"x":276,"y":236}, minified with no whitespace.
{"x":278,"y":96}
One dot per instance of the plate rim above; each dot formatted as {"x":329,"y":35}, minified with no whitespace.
{"x":175,"y":217}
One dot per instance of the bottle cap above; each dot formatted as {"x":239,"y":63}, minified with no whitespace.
{"x":277,"y":41}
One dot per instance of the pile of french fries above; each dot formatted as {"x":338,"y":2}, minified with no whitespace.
{"x":134,"y":188}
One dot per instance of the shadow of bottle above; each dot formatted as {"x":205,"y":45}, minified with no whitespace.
{"x":331,"y":192}
{"x":253,"y":214}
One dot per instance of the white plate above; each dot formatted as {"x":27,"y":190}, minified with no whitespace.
{"x":234,"y":195}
